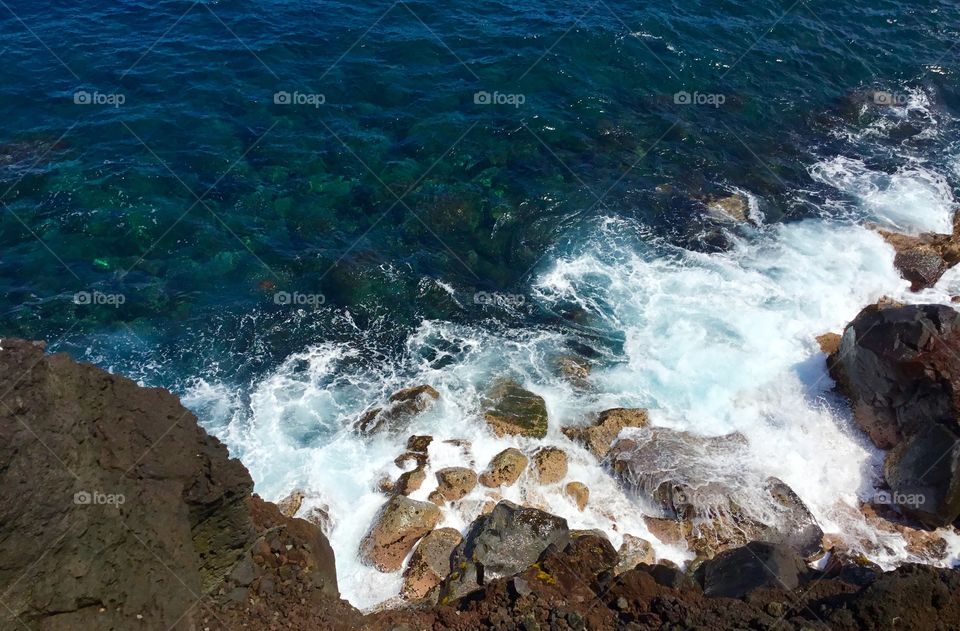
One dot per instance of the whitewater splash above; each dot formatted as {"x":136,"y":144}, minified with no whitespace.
{"x":709,"y":343}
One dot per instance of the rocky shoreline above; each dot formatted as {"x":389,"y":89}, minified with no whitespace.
{"x":121,"y":512}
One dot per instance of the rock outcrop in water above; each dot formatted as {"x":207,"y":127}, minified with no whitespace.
{"x":923,"y":259}
{"x":900,"y":366}
{"x":119,"y":512}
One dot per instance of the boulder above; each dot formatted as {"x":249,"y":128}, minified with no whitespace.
{"x":512,"y":410}
{"x":550,"y":464}
{"x":923,"y":259}
{"x":430,"y":563}
{"x":291,"y":503}
{"x":735,"y":207}
{"x":829,"y":343}
{"x":899,"y":366}
{"x":455,"y":482}
{"x":579,"y":493}
{"x":504,"y":468}
{"x":507,"y":541}
{"x":735,"y":573}
{"x":398,"y":525}
{"x":599,"y":436}
{"x":700,"y":487}
{"x":401,"y":407}
{"x":410,"y":481}
{"x":632,"y":552}
{"x":924,"y":476}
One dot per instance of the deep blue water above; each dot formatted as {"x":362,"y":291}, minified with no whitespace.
{"x":146,"y":166}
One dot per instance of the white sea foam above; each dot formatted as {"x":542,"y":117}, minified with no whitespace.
{"x":711,"y":344}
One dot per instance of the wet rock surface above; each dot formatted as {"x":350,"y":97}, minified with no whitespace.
{"x":397,"y":527}
{"x":598,"y":437}
{"x":514,"y":410}
{"x":401,"y":407}
{"x":504,"y":469}
{"x":900,"y":367}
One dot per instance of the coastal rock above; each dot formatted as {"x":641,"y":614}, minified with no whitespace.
{"x":291,"y":503}
{"x":924,"y":476}
{"x":416,"y":451}
{"x":900,"y":367}
{"x":430,"y":563}
{"x":700,"y":486}
{"x":500,"y":544}
{"x":923,"y":259}
{"x":735,"y":573}
{"x":133,"y":512}
{"x":401,"y":407}
{"x":632,"y":552}
{"x":410,"y":481}
{"x":735,"y":207}
{"x":829,"y":343}
{"x":515,"y":411}
{"x":504,"y":469}
{"x":398,"y":525}
{"x":455,"y":482}
{"x":550,"y":464}
{"x":598,"y":437}
{"x":579,"y":493}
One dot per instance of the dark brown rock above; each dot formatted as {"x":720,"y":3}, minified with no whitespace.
{"x":600,"y":436}
{"x":512,"y":410}
{"x":401,"y":407}
{"x":397,"y":527}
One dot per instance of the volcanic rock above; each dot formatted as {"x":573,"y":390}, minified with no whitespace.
{"x":455,"y":482}
{"x":401,"y":407}
{"x":504,"y":469}
{"x":923,"y":259}
{"x":899,"y":366}
{"x":505,"y":542}
{"x":550,"y":464}
{"x":578,"y":492}
{"x":515,"y":411}
{"x":598,"y":437}
{"x":924,"y":476}
{"x":398,"y":525}
{"x":735,"y":573}
{"x":632,"y":552}
{"x":430,"y":563}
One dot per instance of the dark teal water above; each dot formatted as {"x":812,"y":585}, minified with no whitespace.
{"x":183,"y":198}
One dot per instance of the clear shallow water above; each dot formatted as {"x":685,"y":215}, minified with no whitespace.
{"x":707,"y":323}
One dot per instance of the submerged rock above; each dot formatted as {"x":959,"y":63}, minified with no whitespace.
{"x":516,"y":411}
{"x":504,"y":469}
{"x":599,"y":436}
{"x":401,"y":407}
{"x":500,"y":544}
{"x":397,"y":527}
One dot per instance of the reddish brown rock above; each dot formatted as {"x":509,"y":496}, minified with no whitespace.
{"x":550,"y":464}
{"x":430,"y":563}
{"x":410,"y":481}
{"x":829,"y":343}
{"x":397,"y":527}
{"x":632,"y":552}
{"x":504,"y":469}
{"x":923,"y":259}
{"x":579,"y":493}
{"x":600,"y":436}
{"x":454,"y":483}
{"x":291,"y":503}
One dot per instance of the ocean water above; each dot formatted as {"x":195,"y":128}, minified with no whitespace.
{"x":286,"y":210}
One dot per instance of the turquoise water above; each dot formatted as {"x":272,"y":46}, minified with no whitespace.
{"x":286,"y":210}
{"x":303,"y":198}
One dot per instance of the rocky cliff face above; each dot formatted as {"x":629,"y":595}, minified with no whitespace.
{"x":117,"y":511}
